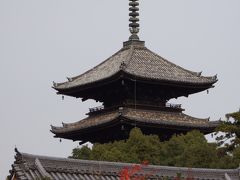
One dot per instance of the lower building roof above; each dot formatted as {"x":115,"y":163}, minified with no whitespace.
{"x":32,"y":167}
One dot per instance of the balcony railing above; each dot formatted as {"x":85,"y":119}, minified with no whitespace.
{"x":95,"y":109}
{"x":167,"y":105}
{"x":175,"y":106}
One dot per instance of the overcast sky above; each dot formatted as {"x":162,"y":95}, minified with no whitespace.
{"x":46,"y":40}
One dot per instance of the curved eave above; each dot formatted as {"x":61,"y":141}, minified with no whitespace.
{"x":81,"y":132}
{"x":208,"y":83}
{"x":182,"y":122}
{"x":138,"y":63}
{"x":67,"y":90}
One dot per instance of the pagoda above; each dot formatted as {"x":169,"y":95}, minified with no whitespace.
{"x":134,"y":86}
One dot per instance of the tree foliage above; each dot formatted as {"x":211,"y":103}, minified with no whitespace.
{"x":190,"y":150}
{"x":230,"y":140}
{"x":231,"y":128}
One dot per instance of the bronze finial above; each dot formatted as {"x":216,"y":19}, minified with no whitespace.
{"x":134,"y":25}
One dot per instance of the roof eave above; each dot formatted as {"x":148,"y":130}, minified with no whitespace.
{"x":123,"y":74}
{"x":62,"y":132}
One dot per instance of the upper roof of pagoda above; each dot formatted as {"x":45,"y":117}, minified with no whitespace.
{"x":136,"y":61}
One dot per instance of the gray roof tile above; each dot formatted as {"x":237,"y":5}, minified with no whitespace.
{"x":138,"y":115}
{"x":139,"y":61}
{"x":92,"y":170}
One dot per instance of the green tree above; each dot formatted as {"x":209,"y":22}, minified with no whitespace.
{"x":135,"y":149}
{"x":230,"y":140}
{"x":231,"y":128}
{"x":190,"y":150}
{"x":236,"y":156}
{"x":81,"y":153}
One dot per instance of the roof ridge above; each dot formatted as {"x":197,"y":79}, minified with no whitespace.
{"x":41,"y":169}
{"x":166,"y":112}
{"x":129,"y":57}
{"x":203,"y":119}
{"x":43,"y":157}
{"x":76,"y":77}
{"x":18,"y":157}
{"x":19,"y":166}
{"x":114,"y":163}
{"x":84,"y":119}
{"x":198,"y":74}
{"x":100,"y":63}
{"x":75,"y":125}
{"x":65,"y":168}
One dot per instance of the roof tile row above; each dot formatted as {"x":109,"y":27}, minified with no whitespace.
{"x":32,"y":167}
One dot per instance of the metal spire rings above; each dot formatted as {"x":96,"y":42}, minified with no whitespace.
{"x":134,"y":25}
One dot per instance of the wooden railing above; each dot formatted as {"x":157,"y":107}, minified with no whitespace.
{"x":167,"y":105}
{"x":175,"y":106}
{"x":96,"y":109}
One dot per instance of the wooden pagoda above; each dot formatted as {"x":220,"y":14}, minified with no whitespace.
{"x":134,"y":86}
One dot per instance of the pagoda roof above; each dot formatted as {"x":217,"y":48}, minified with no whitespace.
{"x":135,"y":61}
{"x":151,"y":118}
{"x":29,"y":166}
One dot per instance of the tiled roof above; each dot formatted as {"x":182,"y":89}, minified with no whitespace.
{"x":138,"y":115}
{"x":138,"y":61}
{"x":32,"y":167}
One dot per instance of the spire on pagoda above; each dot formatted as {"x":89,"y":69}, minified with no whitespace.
{"x":134,"y":25}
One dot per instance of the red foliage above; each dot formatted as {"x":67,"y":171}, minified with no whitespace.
{"x":190,"y":176}
{"x":132,"y":173}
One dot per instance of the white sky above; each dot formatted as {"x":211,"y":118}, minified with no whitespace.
{"x":46,"y":40}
